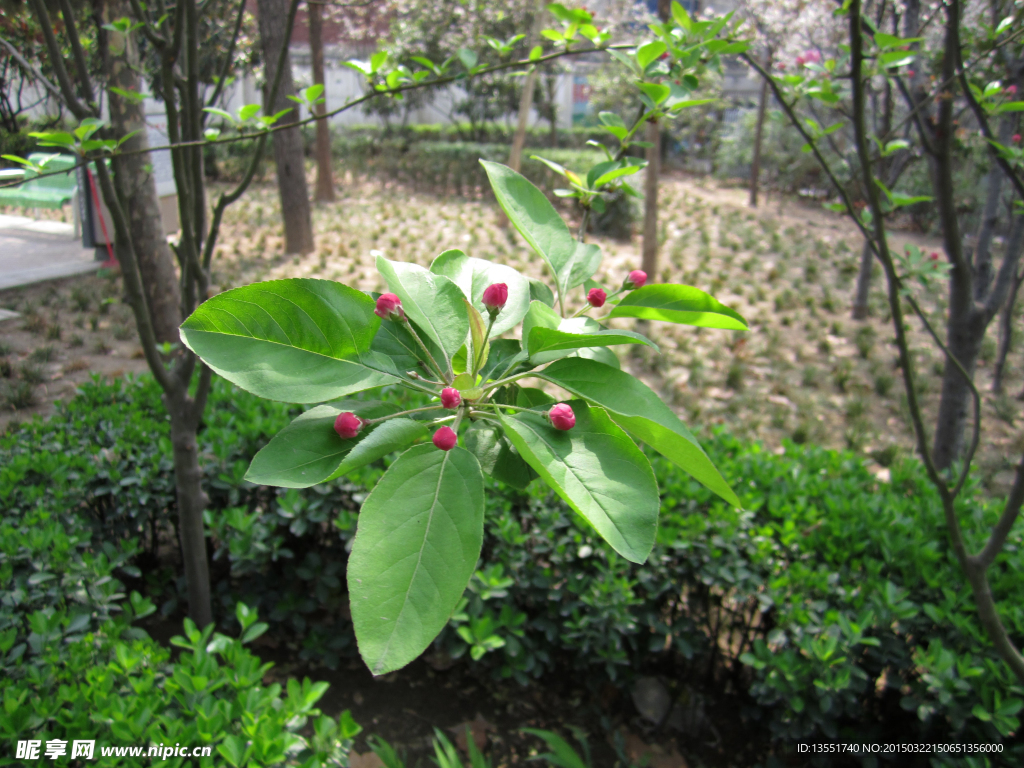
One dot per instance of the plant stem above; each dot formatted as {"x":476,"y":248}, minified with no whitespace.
{"x":501,"y":382}
{"x":430,"y":358}
{"x":404,"y":413}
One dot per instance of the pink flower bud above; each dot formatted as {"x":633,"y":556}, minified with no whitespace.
{"x":800,"y":61}
{"x":445,"y":438}
{"x":1016,"y":138}
{"x":910,"y":73}
{"x":596,"y":297}
{"x":934,"y":256}
{"x":347,"y":425}
{"x":450,"y":398}
{"x":636,"y":279}
{"x":495,"y":296}
{"x":1011,"y":89}
{"x":389,"y":307}
{"x":562,"y":417}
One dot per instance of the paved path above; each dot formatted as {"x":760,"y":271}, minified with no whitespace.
{"x":32,"y":251}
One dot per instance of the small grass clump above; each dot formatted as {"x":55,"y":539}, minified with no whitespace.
{"x":18,"y":395}
{"x":44,"y":354}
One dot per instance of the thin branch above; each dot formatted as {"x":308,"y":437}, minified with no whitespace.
{"x":226,"y":68}
{"x":29,"y":68}
{"x":78,"y":109}
{"x":84,"y":83}
{"x":1004,"y":525}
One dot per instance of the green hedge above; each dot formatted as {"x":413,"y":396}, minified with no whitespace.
{"x":833,"y":601}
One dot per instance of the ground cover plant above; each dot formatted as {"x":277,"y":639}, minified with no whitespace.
{"x":783,"y":601}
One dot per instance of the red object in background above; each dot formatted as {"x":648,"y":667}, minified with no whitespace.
{"x":111,"y":261}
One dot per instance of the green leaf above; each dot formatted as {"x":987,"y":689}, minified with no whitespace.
{"x":474,"y":275}
{"x":478,"y":335}
{"x":649,"y":52}
{"x":561,"y":755}
{"x":583,"y":263}
{"x":308,"y":451}
{"x":680,"y":15}
{"x":540,"y":315}
{"x":468,"y":57}
{"x":611,"y":118}
{"x":635,"y":407}
{"x":504,"y":352}
{"x":296,"y":340}
{"x":532,"y":214}
{"x":543,"y":340}
{"x":656,"y":92}
{"x":598,"y":471}
{"x":388,"y":437}
{"x":254,"y":631}
{"x":432,"y":301}
{"x":531,"y":397}
{"x":539,"y":291}
{"x":681,"y":304}
{"x":377,"y":60}
{"x":536,"y":52}
{"x":53,"y":138}
{"x":632,"y":166}
{"x":248,"y":111}
{"x":233,"y":750}
{"x":1011,"y":106}
{"x":497,"y":456}
{"x":416,"y":546}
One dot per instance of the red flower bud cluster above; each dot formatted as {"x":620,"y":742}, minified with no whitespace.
{"x":389,"y":307}
{"x":445,"y":438}
{"x":596,"y":297}
{"x":495,"y":296}
{"x":347,"y":425}
{"x":562,"y":417}
{"x":1016,"y":138}
{"x":450,"y":398}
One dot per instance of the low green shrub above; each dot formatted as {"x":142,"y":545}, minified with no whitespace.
{"x":117,"y":688}
{"x":832,"y":598}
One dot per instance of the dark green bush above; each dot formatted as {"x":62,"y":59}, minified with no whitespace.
{"x":832,"y":599}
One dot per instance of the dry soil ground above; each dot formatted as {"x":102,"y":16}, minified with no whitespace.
{"x":805,"y":371}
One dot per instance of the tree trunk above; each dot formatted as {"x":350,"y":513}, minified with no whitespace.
{"x":755,"y":165}
{"x":860,"y":300}
{"x":515,"y":159}
{"x":288,"y":152}
{"x":1005,"y":335}
{"x":650,"y":251}
{"x":191,"y":501}
{"x":153,"y":292}
{"x":156,"y":262}
{"x":324,"y":180}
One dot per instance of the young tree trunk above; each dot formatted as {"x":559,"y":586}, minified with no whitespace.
{"x":515,"y":158}
{"x":1005,"y":336}
{"x":159,"y":282}
{"x":288,"y":152}
{"x":156,"y":262}
{"x":755,"y":165}
{"x":324,"y":179}
{"x":650,"y":249}
{"x":860,"y":299}
{"x":192,"y":501}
